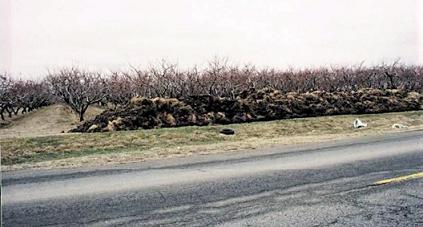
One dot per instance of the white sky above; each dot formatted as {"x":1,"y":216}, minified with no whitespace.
{"x":99,"y":34}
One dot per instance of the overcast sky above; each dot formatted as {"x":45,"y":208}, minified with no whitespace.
{"x":98,"y":34}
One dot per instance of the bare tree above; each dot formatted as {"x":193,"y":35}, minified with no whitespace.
{"x":77,"y":88}
{"x":164,"y":79}
{"x":213,"y":77}
{"x":37,"y":95}
{"x":21,"y":95}
{"x":5,"y":98}
{"x":120,"y":88}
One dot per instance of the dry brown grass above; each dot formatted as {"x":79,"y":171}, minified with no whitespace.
{"x":50,"y":120}
{"x":71,"y":150}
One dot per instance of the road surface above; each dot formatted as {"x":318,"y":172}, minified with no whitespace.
{"x":320,"y":185}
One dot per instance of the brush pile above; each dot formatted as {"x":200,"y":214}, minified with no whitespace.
{"x":250,"y":105}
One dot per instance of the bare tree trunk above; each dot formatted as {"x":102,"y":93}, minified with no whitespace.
{"x":10,"y":113}
{"x":81,"y":116}
{"x":16,"y":111}
{"x":82,"y":112}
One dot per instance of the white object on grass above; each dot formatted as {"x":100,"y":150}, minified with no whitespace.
{"x":359,"y":124}
{"x":399,"y":126}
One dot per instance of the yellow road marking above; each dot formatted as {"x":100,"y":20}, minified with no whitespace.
{"x":398,"y":179}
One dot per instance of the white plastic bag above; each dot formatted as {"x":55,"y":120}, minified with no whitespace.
{"x":359,"y":124}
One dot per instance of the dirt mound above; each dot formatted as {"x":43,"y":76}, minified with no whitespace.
{"x":45,"y":121}
{"x":251,"y":105}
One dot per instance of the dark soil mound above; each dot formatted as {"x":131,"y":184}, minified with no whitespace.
{"x":252,"y":105}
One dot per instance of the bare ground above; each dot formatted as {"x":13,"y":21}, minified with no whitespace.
{"x":47,"y":121}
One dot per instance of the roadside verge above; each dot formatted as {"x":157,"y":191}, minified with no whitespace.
{"x":98,"y":149}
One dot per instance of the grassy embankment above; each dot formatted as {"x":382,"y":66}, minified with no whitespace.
{"x":71,"y":150}
{"x":50,"y":120}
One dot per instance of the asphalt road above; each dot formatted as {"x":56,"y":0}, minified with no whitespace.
{"x":319,"y":185}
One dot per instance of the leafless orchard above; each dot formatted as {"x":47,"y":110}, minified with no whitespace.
{"x":21,"y":96}
{"x":79,"y":88}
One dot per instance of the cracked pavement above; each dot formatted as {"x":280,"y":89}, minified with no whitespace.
{"x":307,"y":185}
